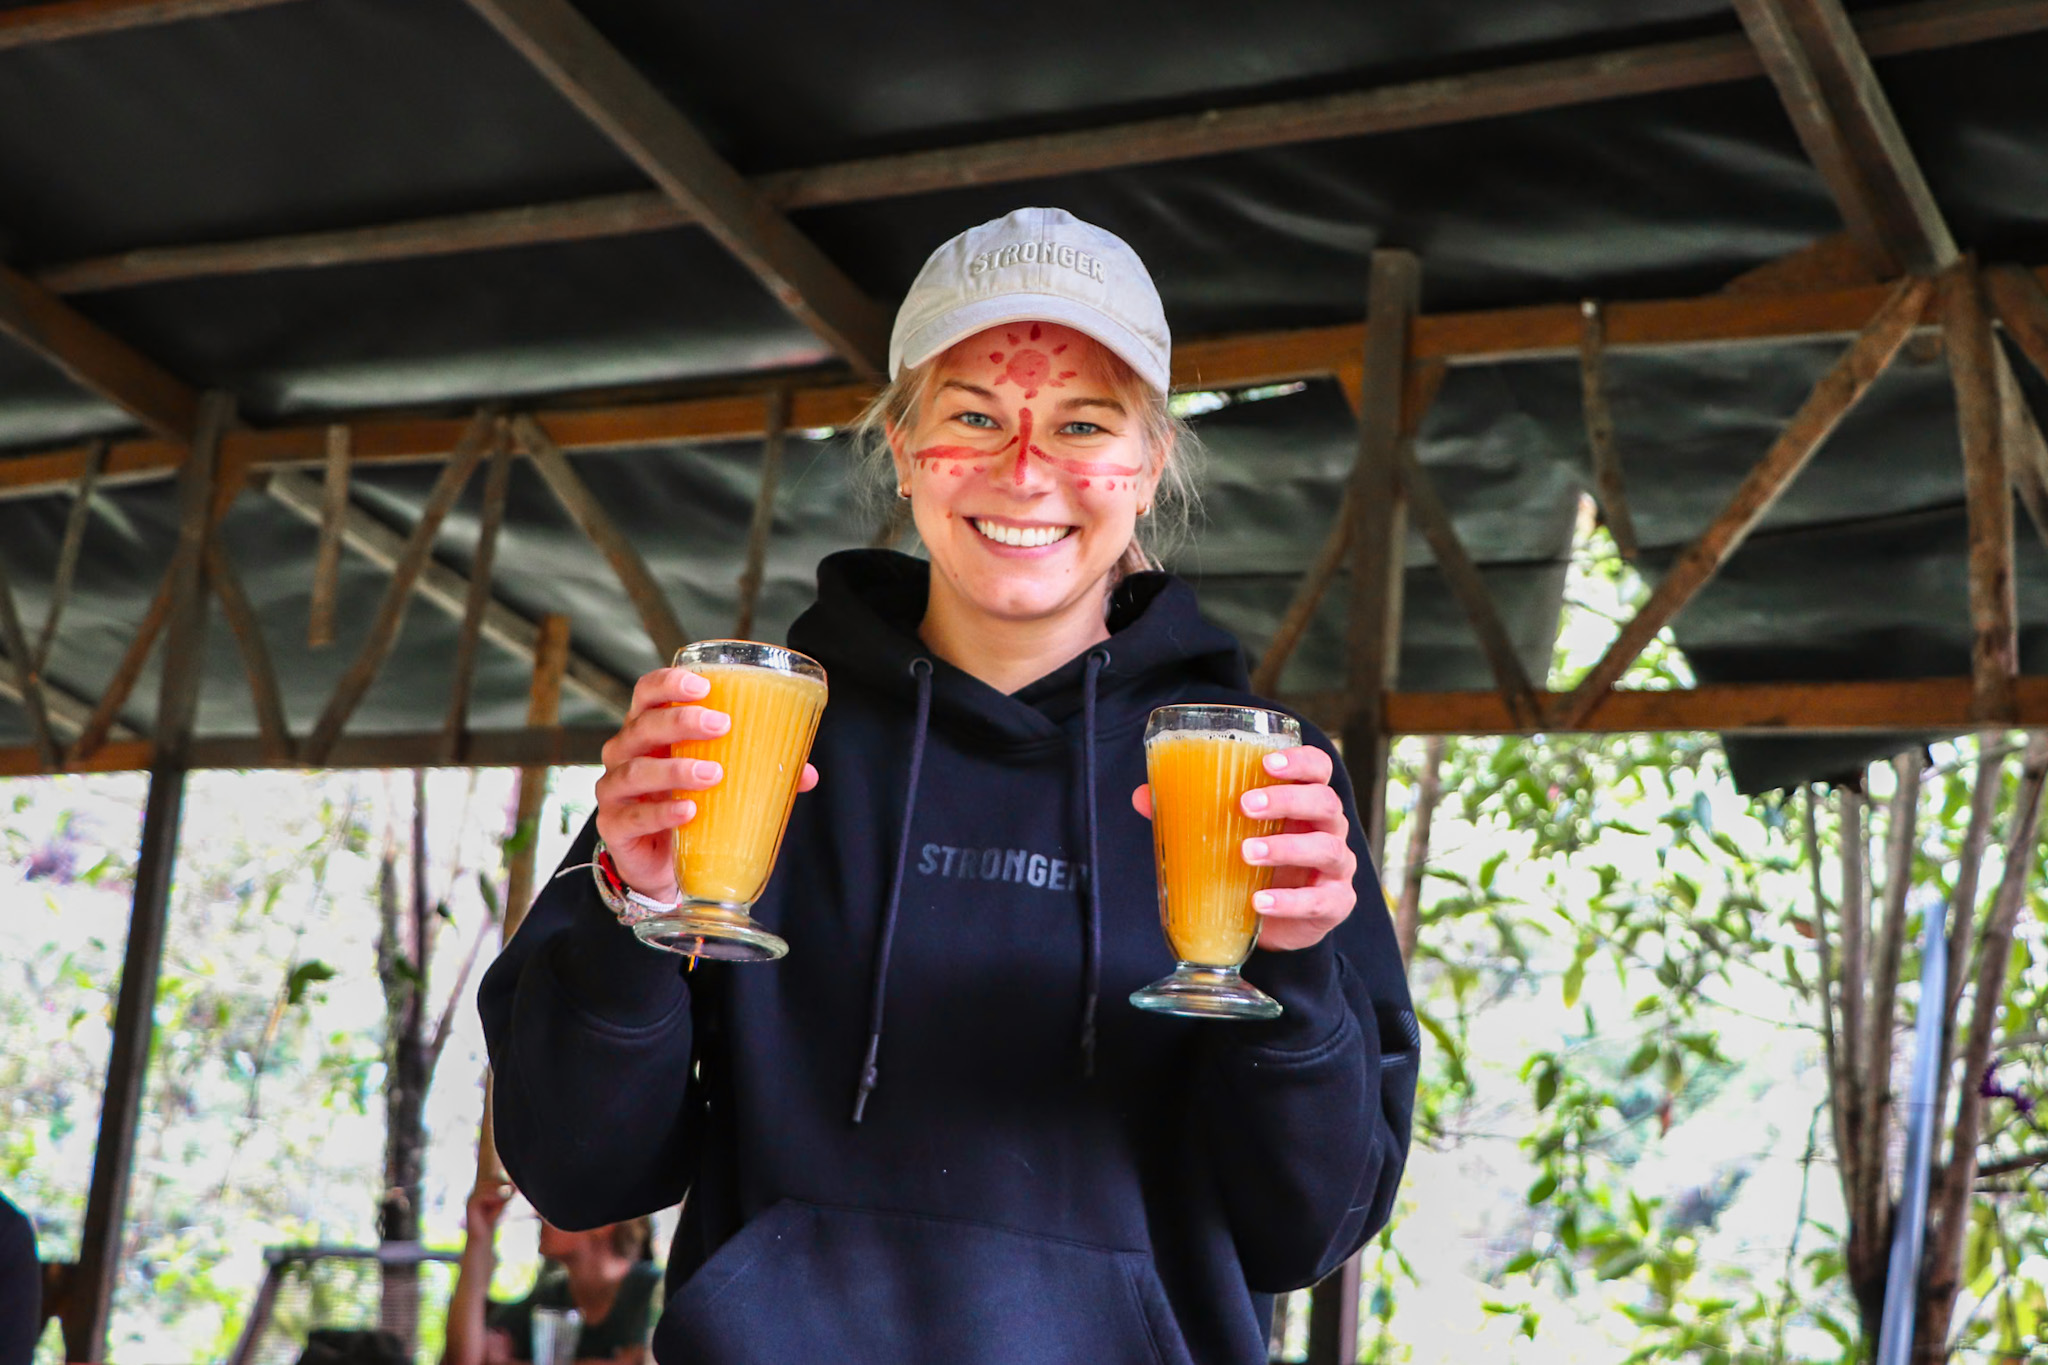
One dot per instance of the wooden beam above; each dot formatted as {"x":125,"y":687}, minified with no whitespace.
{"x":575,"y":220}
{"x":1378,"y":534}
{"x":28,"y":683}
{"x":448,"y":591}
{"x":272,"y":731}
{"x":67,"y":553}
{"x":612,"y":93}
{"x":764,"y":515}
{"x":1424,"y":381}
{"x":1608,"y":489}
{"x":1809,"y":708}
{"x":1550,"y":331}
{"x":2026,"y":452}
{"x":107,"y":711}
{"x":497,"y":482}
{"x":1933,"y":705}
{"x":656,"y":616}
{"x":1994,"y":611}
{"x":96,"y":359}
{"x":50,"y":23}
{"x":1433,"y":102}
{"x":1812,"y":54}
{"x":1462,"y":576}
{"x":89,"y":1304}
{"x":68,"y":712}
{"x":99,"y":1253}
{"x":334,"y":506}
{"x":376,"y":647}
{"x":1836,"y":393}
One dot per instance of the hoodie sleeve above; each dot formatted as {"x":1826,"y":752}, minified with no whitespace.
{"x":1311,"y":1130}
{"x":590,"y":1039}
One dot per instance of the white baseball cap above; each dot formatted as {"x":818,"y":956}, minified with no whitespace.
{"x":1035,"y":265}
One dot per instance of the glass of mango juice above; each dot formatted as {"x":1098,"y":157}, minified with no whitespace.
{"x":1200,"y":761}
{"x":725,"y":853}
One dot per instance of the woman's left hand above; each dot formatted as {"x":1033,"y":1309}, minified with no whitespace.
{"x":1311,"y":856}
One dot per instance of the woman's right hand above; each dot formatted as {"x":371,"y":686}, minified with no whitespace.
{"x":485,"y":1207}
{"x":638,"y":810}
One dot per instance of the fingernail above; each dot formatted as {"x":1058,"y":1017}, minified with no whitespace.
{"x":696,"y":685}
{"x":717,"y":722}
{"x":1263,"y":901}
{"x":1276,"y":763}
{"x":1255,"y":849}
{"x":706,"y":770}
{"x":1255,"y":801}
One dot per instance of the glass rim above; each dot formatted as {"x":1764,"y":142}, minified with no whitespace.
{"x":1253,"y":720}
{"x":752,"y":654}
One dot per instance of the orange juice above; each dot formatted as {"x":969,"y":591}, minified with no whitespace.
{"x":725,"y":854}
{"x":1198,"y":834}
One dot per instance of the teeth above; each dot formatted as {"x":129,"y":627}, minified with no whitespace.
{"x":1021,"y":536}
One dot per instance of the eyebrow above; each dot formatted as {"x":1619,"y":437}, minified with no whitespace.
{"x":1069,"y":404}
{"x":975,"y":389}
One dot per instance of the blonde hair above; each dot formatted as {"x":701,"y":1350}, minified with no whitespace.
{"x":1169,"y":443}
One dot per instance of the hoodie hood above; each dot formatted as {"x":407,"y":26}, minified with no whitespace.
{"x":864,"y":630}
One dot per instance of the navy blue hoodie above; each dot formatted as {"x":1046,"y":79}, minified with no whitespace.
{"x":1039,"y":1171}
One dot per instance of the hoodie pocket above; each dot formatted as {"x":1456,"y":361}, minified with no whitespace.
{"x":806,"y":1282}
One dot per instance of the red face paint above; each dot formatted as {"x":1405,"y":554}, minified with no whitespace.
{"x":1030,"y":370}
{"x":1025,"y":450}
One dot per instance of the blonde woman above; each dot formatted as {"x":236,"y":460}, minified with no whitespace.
{"x":935,"y":1132}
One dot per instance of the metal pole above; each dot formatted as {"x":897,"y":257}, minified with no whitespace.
{"x":1901,"y":1296}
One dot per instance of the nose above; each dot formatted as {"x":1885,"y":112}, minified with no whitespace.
{"x":1028,"y":468}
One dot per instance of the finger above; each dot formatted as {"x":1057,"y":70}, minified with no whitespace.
{"x":1304,"y":763}
{"x":665,"y":687}
{"x":637,"y":778}
{"x":808,"y":780}
{"x":1316,"y":803}
{"x":641,"y":819}
{"x":654,"y":731}
{"x":1329,"y":902}
{"x":1141,"y":800}
{"x":1318,"y":850}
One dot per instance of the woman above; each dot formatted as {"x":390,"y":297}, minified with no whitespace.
{"x":1021,"y":1167}
{"x":606,"y":1274}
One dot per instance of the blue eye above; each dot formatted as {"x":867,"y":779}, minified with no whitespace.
{"x":1080,"y":429}
{"x":977,"y":419}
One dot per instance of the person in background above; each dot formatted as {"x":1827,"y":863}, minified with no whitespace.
{"x":607,"y":1274}
{"x":21,"y":1287}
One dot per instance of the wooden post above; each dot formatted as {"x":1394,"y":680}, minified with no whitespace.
{"x":656,"y":616}
{"x":543,"y":708}
{"x":333,"y":519}
{"x":497,"y":484}
{"x":1378,"y":539}
{"x":764,"y":514}
{"x":85,"y":1324}
{"x":1608,"y":489}
{"x":1994,"y":616}
{"x":1379,"y":536}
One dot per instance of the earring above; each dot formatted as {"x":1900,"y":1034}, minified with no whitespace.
{"x":1146,"y":510}
{"x":903,"y":491}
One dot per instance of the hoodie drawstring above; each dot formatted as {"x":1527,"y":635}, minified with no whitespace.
{"x":1091,"y":969}
{"x":870,"y":1071}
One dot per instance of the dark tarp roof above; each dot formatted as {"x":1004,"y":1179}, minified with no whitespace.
{"x":333,"y":113}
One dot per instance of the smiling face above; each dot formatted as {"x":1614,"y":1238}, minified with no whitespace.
{"x":1026,"y":465}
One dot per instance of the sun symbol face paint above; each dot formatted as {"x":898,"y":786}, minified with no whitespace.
{"x":1030,"y":369}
